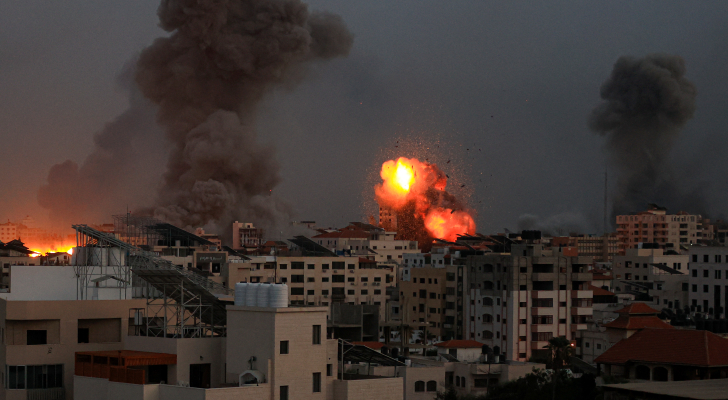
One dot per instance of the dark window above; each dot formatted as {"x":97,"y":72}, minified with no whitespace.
{"x":364,"y":291}
{"x":325,"y":279}
{"x":282,"y":266}
{"x":329,"y":369}
{"x":338,"y":265}
{"x":316,"y":382}
{"x":309,"y":292}
{"x":284,"y":393}
{"x":706,"y":258}
{"x":296,"y":278}
{"x":423,"y":294}
{"x":296,"y":291}
{"x":695,"y":273}
{"x":706,"y":273}
{"x":284,"y":346}
{"x":83,"y":335}
{"x":420,"y":386}
{"x":35,"y":337}
{"x":317,"y":334}
{"x":352,"y":266}
{"x":311,"y":279}
{"x":311,"y":266}
{"x":296,"y":265}
{"x":337,"y":278}
{"x":324,"y":266}
{"x":34,"y":376}
{"x":431,"y":386}
{"x":351,"y":292}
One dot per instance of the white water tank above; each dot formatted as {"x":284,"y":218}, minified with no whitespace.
{"x":278,"y":296}
{"x":263,"y":296}
{"x":240,"y":290}
{"x":251,"y":295}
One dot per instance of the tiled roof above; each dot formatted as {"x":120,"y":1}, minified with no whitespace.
{"x":460,"y":344}
{"x":638,"y":322}
{"x":637,"y":308}
{"x":599,"y":291}
{"x":674,"y":346}
{"x":371,"y":345}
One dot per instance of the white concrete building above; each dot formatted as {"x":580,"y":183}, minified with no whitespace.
{"x":651,"y":272}
{"x":709,"y":280}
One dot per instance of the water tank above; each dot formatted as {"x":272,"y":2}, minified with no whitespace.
{"x":240,"y":290}
{"x":99,"y":256}
{"x":263,"y":291}
{"x":278,"y":296}
{"x":251,"y":295}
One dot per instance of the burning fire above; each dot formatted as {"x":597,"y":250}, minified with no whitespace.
{"x":45,"y":248}
{"x":409,"y":182}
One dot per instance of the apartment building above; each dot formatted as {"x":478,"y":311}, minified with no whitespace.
{"x":320,"y":281}
{"x":709,"y":280}
{"x":518,"y":301}
{"x":422,"y":298}
{"x":246,"y":237}
{"x":367,"y":241}
{"x":656,"y":226}
{"x":650,"y":275}
{"x":599,"y":248}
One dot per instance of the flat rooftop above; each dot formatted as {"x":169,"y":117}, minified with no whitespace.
{"x":711,"y":389}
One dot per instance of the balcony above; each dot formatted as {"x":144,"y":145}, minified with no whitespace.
{"x":582,"y":311}
{"x":581,"y":276}
{"x":542,"y":294}
{"x":581,"y":294}
{"x":542,"y":311}
{"x":543,"y":276}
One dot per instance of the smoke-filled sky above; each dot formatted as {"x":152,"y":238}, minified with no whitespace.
{"x":503,"y":90}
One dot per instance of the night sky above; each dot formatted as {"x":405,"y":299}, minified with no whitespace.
{"x":503,"y":90}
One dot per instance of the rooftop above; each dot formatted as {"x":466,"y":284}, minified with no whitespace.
{"x":711,"y":389}
{"x":597,"y":291}
{"x":638,"y":308}
{"x":460,"y":344}
{"x":638,"y":322}
{"x":669,"y":346}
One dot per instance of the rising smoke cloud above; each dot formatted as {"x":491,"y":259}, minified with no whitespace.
{"x":205,"y":80}
{"x":646,"y":103}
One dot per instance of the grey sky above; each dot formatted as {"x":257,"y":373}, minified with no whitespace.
{"x":514,"y":79}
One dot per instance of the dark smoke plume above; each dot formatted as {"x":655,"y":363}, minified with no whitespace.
{"x":646,"y":103}
{"x":115,"y":174}
{"x":207,"y":78}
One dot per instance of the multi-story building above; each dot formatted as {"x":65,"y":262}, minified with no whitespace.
{"x":422,"y":298}
{"x":8,"y":232}
{"x":518,"y":301}
{"x":656,"y":226}
{"x":367,"y":241}
{"x":599,"y":248}
{"x":648,"y":274}
{"x":246,"y":237}
{"x":709,"y":280}
{"x":319,"y":281}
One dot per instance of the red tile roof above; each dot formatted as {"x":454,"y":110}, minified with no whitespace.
{"x":599,"y":291}
{"x":371,"y":345}
{"x":638,"y":322}
{"x":637,"y":308}
{"x":460,"y":344}
{"x":675,"y":346}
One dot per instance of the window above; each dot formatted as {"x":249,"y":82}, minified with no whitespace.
{"x":695,"y":273}
{"x":325,"y":279}
{"x":284,"y":393}
{"x":351,"y":292}
{"x":541,"y":336}
{"x":717,"y":274}
{"x":364,"y":291}
{"x":296,"y":291}
{"x":316,"y":382}
{"x":311,"y":279}
{"x":423,"y":294}
{"x":351,"y":279}
{"x":283,"y":266}
{"x":337,"y":278}
{"x":352,"y":266}
{"x":685,"y":286}
{"x":324,"y":266}
{"x":377,"y":291}
{"x":487,"y":335}
{"x":34,"y":376}
{"x":296,"y":278}
{"x":35,"y":337}
{"x":431,"y":386}
{"x":310,"y":292}
{"x":706,"y":273}
{"x":284,"y":347}
{"x":338,"y":265}
{"x":296,"y":265}
{"x":83,"y":335}
{"x":311,"y":266}
{"x":487,"y":318}
{"x":420,"y":386}
{"x":487,"y":301}
{"x":706,"y":258}
{"x":599,"y":346}
{"x":705,"y":289}
{"x":329,"y":370}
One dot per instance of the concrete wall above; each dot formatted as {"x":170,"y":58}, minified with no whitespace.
{"x":49,"y":282}
{"x":86,"y":388}
{"x":188,"y":351}
{"x":367,"y":389}
{"x":425,"y":374}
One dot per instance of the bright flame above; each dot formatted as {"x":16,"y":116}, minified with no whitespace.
{"x":408,"y":181}
{"x":404,"y":176}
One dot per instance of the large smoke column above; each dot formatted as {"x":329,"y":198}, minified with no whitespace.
{"x":646,"y":103}
{"x":115,"y":174}
{"x":207,"y":78}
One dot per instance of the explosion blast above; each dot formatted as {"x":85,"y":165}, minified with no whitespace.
{"x":415,"y":191}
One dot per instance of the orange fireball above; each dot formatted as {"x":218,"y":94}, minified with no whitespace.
{"x":448,"y":224}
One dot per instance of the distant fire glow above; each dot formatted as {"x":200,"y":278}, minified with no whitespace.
{"x":411,"y":186}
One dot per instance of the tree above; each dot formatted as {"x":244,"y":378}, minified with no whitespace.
{"x":560,"y":352}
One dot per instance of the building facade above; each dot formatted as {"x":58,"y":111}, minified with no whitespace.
{"x":709,"y":280}
{"x":656,"y":226}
